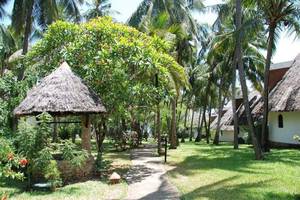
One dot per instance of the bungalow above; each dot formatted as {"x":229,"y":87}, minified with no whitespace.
{"x":284,"y":108}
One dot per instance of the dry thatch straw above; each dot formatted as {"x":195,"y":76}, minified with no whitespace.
{"x":285,"y":97}
{"x":60,"y":93}
{"x":227,"y":118}
{"x":254,"y":99}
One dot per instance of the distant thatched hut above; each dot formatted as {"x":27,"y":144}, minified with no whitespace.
{"x":63,"y":93}
{"x":226,"y":123}
{"x":284,"y":107}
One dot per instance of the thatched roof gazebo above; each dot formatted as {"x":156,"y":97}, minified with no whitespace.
{"x":63,"y":93}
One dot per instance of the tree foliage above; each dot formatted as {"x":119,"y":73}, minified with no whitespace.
{"x":117,"y":61}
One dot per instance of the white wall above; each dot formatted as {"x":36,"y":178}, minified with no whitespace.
{"x":291,"y":127}
{"x":226,"y":136}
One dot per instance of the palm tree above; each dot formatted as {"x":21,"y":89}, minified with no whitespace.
{"x":2,"y":11}
{"x":238,"y":56}
{"x":279,"y":15}
{"x":167,"y":21}
{"x":27,"y":12}
{"x":8,"y":45}
{"x":98,"y":8}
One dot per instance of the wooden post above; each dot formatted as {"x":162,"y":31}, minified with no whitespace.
{"x":54,"y":135}
{"x":86,"y":133}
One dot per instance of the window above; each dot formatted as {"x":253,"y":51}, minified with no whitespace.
{"x":280,"y":121}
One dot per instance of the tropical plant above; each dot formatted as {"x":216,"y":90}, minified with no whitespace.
{"x":242,"y":76}
{"x":2,"y":11}
{"x":98,"y":8}
{"x":114,"y":54}
{"x":279,"y":15}
{"x":11,"y":164}
{"x":28,"y":12}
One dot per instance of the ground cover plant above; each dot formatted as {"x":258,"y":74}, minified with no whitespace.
{"x":219,"y":172}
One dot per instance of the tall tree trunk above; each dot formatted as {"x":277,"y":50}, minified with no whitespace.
{"x":233,"y":101}
{"x":158,"y":133}
{"x":264,"y":132}
{"x":205,"y":126}
{"x":86,"y":133}
{"x":220,"y":110}
{"x":208,"y":124}
{"x":27,"y":31}
{"x":192,"y":123}
{"x":173,"y":141}
{"x":101,"y":132}
{"x":185,"y":126}
{"x":3,"y":65}
{"x":198,"y":137}
{"x":256,"y":144}
{"x":179,"y":113}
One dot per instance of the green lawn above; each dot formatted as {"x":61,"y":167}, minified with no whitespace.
{"x":203,"y":171}
{"x":89,"y":190}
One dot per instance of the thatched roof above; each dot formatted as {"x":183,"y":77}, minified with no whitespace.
{"x":255,"y":98}
{"x":61,"y":92}
{"x":286,"y":94}
{"x":227,"y":118}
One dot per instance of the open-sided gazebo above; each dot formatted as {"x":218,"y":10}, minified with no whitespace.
{"x":62,"y":93}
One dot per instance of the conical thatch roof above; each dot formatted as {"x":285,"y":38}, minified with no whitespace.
{"x":286,"y":94}
{"x":61,"y":92}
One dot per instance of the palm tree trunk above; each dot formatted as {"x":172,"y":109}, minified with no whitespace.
{"x":173,"y":141}
{"x":191,"y":127}
{"x":185,"y":120}
{"x":27,"y":32}
{"x":233,"y":101}
{"x":264,"y":137}
{"x":257,"y":149}
{"x":207,"y":123}
{"x":198,"y":137}
{"x":158,"y":134}
{"x":220,"y":110}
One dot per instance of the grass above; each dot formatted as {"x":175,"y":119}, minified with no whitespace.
{"x":203,"y":171}
{"x":99,"y":188}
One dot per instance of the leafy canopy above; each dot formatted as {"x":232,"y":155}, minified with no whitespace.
{"x":118,"y":62}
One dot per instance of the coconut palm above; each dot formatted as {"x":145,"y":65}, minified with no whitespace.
{"x":2,"y":11}
{"x":98,"y":8}
{"x":239,"y":61}
{"x":279,"y":15}
{"x":8,"y":45}
{"x":28,"y":12}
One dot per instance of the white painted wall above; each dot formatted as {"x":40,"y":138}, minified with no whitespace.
{"x":291,"y":127}
{"x":226,"y":136}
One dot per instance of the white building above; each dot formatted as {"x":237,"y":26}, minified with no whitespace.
{"x":284,"y":108}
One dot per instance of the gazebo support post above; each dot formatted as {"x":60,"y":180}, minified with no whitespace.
{"x":86,"y":133}
{"x":54,"y":136}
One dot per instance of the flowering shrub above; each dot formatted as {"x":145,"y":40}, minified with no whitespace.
{"x":10,"y":163}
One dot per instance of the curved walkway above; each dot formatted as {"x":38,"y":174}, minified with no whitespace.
{"x":147,"y":179}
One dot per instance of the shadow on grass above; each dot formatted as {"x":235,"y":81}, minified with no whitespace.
{"x":221,"y":190}
{"x":223,"y":157}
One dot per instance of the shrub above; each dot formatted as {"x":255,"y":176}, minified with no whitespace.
{"x":11,"y":164}
{"x":52,"y":174}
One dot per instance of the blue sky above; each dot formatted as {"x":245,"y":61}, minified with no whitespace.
{"x":287,"y":47}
